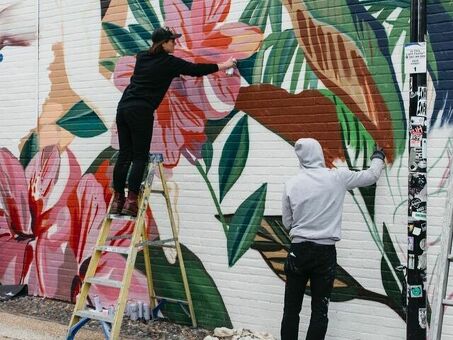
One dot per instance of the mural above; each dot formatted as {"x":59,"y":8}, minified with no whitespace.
{"x":331,"y":70}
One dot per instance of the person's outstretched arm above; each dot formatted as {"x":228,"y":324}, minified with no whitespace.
{"x":364,"y":178}
{"x":183,"y":67}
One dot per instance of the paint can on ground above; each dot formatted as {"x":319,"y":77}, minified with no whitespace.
{"x":134,"y":312}
{"x":146,"y":312}
{"x":140,"y":309}
{"x":97,"y":303}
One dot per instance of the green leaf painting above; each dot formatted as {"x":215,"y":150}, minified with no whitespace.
{"x":209,"y":307}
{"x":234,"y":156}
{"x":279,"y":48}
{"x":108,"y":154}
{"x":244,"y":224}
{"x":109,"y":63}
{"x":121,"y":39}
{"x":141,"y":36}
{"x":360,"y":144}
{"x":370,"y":37}
{"x":257,"y":13}
{"x":206,"y":153}
{"x":82,"y":121}
{"x":144,"y":14}
{"x":29,"y":149}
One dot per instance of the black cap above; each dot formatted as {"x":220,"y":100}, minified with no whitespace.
{"x":163,"y":34}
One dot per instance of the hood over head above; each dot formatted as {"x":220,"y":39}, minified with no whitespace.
{"x":310,"y":153}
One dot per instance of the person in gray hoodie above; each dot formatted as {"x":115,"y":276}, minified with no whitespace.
{"x":312,"y":207}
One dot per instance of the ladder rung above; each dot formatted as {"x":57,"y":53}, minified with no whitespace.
{"x":447,"y":302}
{"x":170,"y":299}
{"x":155,"y":191}
{"x":450,"y":257}
{"x":104,"y":282}
{"x":112,"y":249}
{"x":92,"y":314}
{"x":121,"y":217}
{"x":119,"y":237}
{"x":159,"y":243}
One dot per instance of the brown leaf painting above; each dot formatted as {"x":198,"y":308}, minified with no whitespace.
{"x":308,"y":114}
{"x":338,"y":63}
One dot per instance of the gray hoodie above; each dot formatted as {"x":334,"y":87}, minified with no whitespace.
{"x":312,"y":203}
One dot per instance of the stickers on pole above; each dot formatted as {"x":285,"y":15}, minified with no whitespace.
{"x":410,"y":243}
{"x":418,"y":122}
{"x":411,"y":261}
{"x":418,"y":195}
{"x":415,"y":228}
{"x":415,"y":57}
{"x":416,"y":291}
{"x":417,"y":158}
{"x":422,"y":317}
{"x":422,"y":92}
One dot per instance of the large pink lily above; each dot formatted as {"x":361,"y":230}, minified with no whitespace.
{"x":31,"y":250}
{"x":181,"y":117}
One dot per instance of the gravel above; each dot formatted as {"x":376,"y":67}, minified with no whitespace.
{"x":60,"y":312}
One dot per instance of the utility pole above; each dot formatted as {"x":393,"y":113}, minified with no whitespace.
{"x":416,"y":321}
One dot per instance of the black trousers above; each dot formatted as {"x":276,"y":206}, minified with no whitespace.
{"x":135,"y":131}
{"x":317,"y":263}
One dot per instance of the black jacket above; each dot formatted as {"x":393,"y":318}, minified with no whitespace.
{"x":152,"y":78}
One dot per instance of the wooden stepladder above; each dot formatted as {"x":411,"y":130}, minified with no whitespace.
{"x":111,"y":323}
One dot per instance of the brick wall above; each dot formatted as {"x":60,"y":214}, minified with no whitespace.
{"x":331,"y":70}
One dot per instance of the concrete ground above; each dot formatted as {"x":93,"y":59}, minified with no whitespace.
{"x":19,"y":327}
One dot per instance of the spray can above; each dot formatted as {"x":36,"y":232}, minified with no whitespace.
{"x":97,"y":303}
{"x":230,"y":71}
{"x":146,"y":313}
{"x":134,"y":312}
{"x":140,"y":309}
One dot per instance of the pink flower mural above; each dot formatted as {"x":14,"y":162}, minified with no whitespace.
{"x":48,"y":246}
{"x":181,"y":117}
{"x":28,"y":218}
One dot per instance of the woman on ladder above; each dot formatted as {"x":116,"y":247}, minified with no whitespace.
{"x":153,"y":74}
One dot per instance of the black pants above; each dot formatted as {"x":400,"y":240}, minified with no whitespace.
{"x":317,"y":263}
{"x":135,"y":131}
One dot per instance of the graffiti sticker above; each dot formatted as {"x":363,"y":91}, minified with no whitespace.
{"x":422,"y":261}
{"x":423,"y":244}
{"x":410,"y":243}
{"x":416,"y":291}
{"x":416,"y":136}
{"x":422,"y":317}
{"x":417,"y":121}
{"x":411,"y":261}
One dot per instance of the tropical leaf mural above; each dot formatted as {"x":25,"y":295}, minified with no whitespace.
{"x":330,"y":70}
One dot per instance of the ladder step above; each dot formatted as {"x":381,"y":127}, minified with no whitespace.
{"x":120,"y":237}
{"x":92,"y":314}
{"x":450,"y":257}
{"x":112,"y":249}
{"x":121,"y":217}
{"x":170,"y":299}
{"x":155,"y":191}
{"x":446,"y":302}
{"x":104,"y":282}
{"x":159,"y":243}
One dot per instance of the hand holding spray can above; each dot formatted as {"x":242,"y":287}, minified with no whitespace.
{"x":230,"y":71}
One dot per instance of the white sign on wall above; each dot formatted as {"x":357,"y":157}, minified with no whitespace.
{"x":415,"y":57}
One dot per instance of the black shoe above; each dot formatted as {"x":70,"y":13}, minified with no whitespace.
{"x":117,"y":203}
{"x":130,"y":208}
